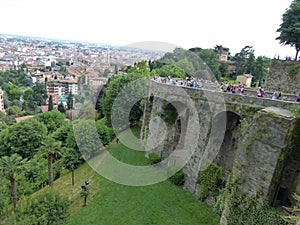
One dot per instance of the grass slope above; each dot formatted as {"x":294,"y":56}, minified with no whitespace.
{"x":114,"y":204}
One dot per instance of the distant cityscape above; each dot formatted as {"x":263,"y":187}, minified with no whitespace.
{"x":60,"y":63}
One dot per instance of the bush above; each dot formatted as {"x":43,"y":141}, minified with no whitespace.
{"x":154,"y":158}
{"x":243,"y":209}
{"x":46,"y":208}
{"x":209,"y":180}
{"x":177,"y":178}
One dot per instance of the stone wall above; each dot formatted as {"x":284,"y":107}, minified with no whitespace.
{"x":284,"y":74}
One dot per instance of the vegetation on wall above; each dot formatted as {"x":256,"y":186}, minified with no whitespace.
{"x":209,"y":180}
{"x":242,"y":209}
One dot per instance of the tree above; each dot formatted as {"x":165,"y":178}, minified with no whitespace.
{"x":85,"y":137}
{"x":50,"y":147}
{"x":290,"y":27}
{"x":244,"y":60}
{"x":221,"y":49}
{"x":260,"y":69}
{"x":50,"y":103}
{"x":14,"y":111}
{"x":39,"y":93}
{"x":211,"y":59}
{"x":116,"y":85}
{"x":52,"y":120}
{"x":23,"y":138}
{"x":10,"y":166}
{"x":61,"y":108}
{"x":70,"y":101}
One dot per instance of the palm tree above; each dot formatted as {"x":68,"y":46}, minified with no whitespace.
{"x":50,"y":147}
{"x":10,"y":166}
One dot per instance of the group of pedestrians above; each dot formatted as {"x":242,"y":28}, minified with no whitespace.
{"x":223,"y":87}
{"x":232,"y":88}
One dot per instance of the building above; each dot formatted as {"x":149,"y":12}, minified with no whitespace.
{"x":70,"y":86}
{"x":245,"y":79}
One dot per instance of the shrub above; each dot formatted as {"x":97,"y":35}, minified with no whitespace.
{"x":177,"y":178}
{"x":46,"y":208}
{"x":154,"y":158}
{"x":209,"y":180}
{"x":242,"y":209}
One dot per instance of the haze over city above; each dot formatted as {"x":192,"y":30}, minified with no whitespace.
{"x":233,"y":24}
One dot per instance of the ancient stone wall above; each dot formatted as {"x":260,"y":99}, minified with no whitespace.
{"x":284,"y":74}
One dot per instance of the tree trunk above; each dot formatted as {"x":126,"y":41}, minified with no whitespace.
{"x":14,"y":193}
{"x":50,"y":173}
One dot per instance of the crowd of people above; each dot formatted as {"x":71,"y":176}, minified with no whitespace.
{"x":220,"y":86}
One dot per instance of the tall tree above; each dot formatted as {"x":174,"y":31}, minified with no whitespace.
{"x":10,"y":166}
{"x":290,"y":27}
{"x":50,"y":103}
{"x":244,"y":60}
{"x":50,"y":147}
{"x":70,"y":101}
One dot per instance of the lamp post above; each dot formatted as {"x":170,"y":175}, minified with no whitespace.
{"x":72,"y":168}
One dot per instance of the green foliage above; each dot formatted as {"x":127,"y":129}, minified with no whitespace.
{"x":50,"y":103}
{"x":72,"y":156}
{"x":290,"y":27}
{"x":61,"y":108}
{"x":15,"y":77}
{"x":154,"y":158}
{"x":39,"y":93}
{"x":36,"y":172}
{"x":245,"y":60}
{"x":34,"y":97}
{"x":260,"y":69}
{"x":211,"y":58}
{"x":13,"y":92}
{"x":293,"y":70}
{"x":209,"y":180}
{"x":52,"y":120}
{"x":296,"y":110}
{"x":115,"y":86}
{"x":70,"y":100}
{"x":87,"y":138}
{"x":88,"y":112}
{"x":106,"y":134}
{"x":242,"y":209}
{"x":169,"y":115}
{"x":23,"y":138}
{"x":178,"y":178}
{"x":170,"y":70}
{"x":46,"y":208}
{"x":15,"y":111}
{"x":294,"y":212}
{"x":173,"y":205}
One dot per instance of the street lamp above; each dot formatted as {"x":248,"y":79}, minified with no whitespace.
{"x":72,"y":168}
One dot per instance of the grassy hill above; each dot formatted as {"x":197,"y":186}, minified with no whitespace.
{"x":109,"y":203}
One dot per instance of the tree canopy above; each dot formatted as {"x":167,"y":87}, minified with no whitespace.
{"x":290,"y":27}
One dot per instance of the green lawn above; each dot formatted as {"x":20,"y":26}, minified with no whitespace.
{"x":114,"y":204}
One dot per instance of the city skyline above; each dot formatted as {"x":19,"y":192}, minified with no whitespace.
{"x":233,"y":24}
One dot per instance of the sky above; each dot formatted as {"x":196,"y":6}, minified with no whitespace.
{"x":190,"y":23}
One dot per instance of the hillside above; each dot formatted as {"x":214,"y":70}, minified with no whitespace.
{"x":111,"y":203}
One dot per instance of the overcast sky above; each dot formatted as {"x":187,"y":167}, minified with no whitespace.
{"x":231,"y":23}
